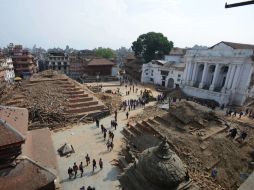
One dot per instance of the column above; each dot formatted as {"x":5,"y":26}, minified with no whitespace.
{"x":193,"y":78}
{"x":230,"y":80}
{"x":204,"y":74}
{"x":227,"y":78}
{"x":190,"y":73}
{"x":215,"y":77}
{"x":185,"y":73}
{"x":237,"y":72}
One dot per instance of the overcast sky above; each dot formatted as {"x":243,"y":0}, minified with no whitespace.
{"x":86,"y":24}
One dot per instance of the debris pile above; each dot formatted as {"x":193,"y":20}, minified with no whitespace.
{"x":198,"y":135}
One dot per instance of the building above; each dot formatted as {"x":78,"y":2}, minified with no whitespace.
{"x":163,"y":73}
{"x":223,"y":72}
{"x":7,"y":70}
{"x":176,"y":55}
{"x":58,"y":61}
{"x":16,"y":143}
{"x":24,"y":62}
{"x":77,"y":66}
{"x":99,"y":66}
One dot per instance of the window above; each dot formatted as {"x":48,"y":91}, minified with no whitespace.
{"x":178,"y":80}
{"x":179,"y":75}
{"x":151,"y":79}
{"x":152,"y":73}
{"x":163,"y":77}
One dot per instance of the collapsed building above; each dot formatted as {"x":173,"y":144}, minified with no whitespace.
{"x":53,"y":100}
{"x":158,"y":168}
{"x":198,"y":136}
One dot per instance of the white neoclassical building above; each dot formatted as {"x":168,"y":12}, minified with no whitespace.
{"x":162,"y":73}
{"x":223,"y":72}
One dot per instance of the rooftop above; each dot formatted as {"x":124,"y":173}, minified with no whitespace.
{"x":100,"y":62}
{"x":19,"y":177}
{"x":237,"y":45}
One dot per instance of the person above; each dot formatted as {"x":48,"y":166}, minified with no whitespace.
{"x":101,"y":163}
{"x":87,"y":159}
{"x":70,"y":172}
{"x":115,"y":124}
{"x":127,"y":115}
{"x":112,"y":136}
{"x":108,"y":145}
{"x":102,"y":129}
{"x":89,"y":188}
{"x":97,"y":122}
{"x":94,"y":164}
{"x":75,"y":169}
{"x":105,"y":134}
{"x":240,"y":114}
{"x":233,"y":132}
{"x":214,"y":172}
{"x":115,"y":115}
{"x":243,"y":135}
{"x":81,"y":168}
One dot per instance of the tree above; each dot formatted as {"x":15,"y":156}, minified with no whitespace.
{"x":104,"y":52}
{"x":152,"y":46}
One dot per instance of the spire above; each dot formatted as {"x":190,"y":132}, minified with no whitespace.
{"x":163,"y":151}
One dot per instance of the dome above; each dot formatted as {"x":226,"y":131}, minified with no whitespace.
{"x":162,"y":166}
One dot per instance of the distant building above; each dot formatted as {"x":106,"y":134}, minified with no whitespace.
{"x":223,"y":72}
{"x":99,"y":66}
{"x":163,"y":73}
{"x":77,"y":66}
{"x":24,"y":62}
{"x":6,"y":69}
{"x":176,"y":55}
{"x":57,"y":60}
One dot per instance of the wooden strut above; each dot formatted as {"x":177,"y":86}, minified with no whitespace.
{"x":239,"y":4}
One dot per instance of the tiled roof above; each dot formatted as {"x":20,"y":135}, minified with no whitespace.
{"x":9,"y":135}
{"x":237,"y":45}
{"x":15,"y":117}
{"x":26,"y":175}
{"x":100,"y":62}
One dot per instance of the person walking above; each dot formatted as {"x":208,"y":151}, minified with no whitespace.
{"x":70,"y":172}
{"x":81,"y":169}
{"x":102,"y":129}
{"x":87,"y":159}
{"x":105,"y":135}
{"x":112,"y":136}
{"x":115,"y":115}
{"x":101,"y":163}
{"x":75,"y":169}
{"x":115,"y":124}
{"x":97,"y":122}
{"x":127,"y":115}
{"x":94,"y":164}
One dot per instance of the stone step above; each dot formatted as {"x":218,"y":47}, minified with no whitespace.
{"x":128,"y":134}
{"x":79,"y":100}
{"x":14,"y":102}
{"x":82,"y":104}
{"x":152,"y":121}
{"x":150,"y":127}
{"x":78,"y":95}
{"x":74,"y":92}
{"x":134,"y":129}
{"x":84,"y":109}
{"x":142,"y":127}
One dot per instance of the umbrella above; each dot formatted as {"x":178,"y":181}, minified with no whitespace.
{"x":17,"y":78}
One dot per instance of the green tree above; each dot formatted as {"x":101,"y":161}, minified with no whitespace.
{"x":104,"y":52}
{"x":152,"y":46}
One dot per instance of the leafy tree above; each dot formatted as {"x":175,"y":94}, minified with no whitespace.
{"x":104,"y":52}
{"x":152,"y":46}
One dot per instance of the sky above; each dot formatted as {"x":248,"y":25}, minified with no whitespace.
{"x":87,"y":24}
